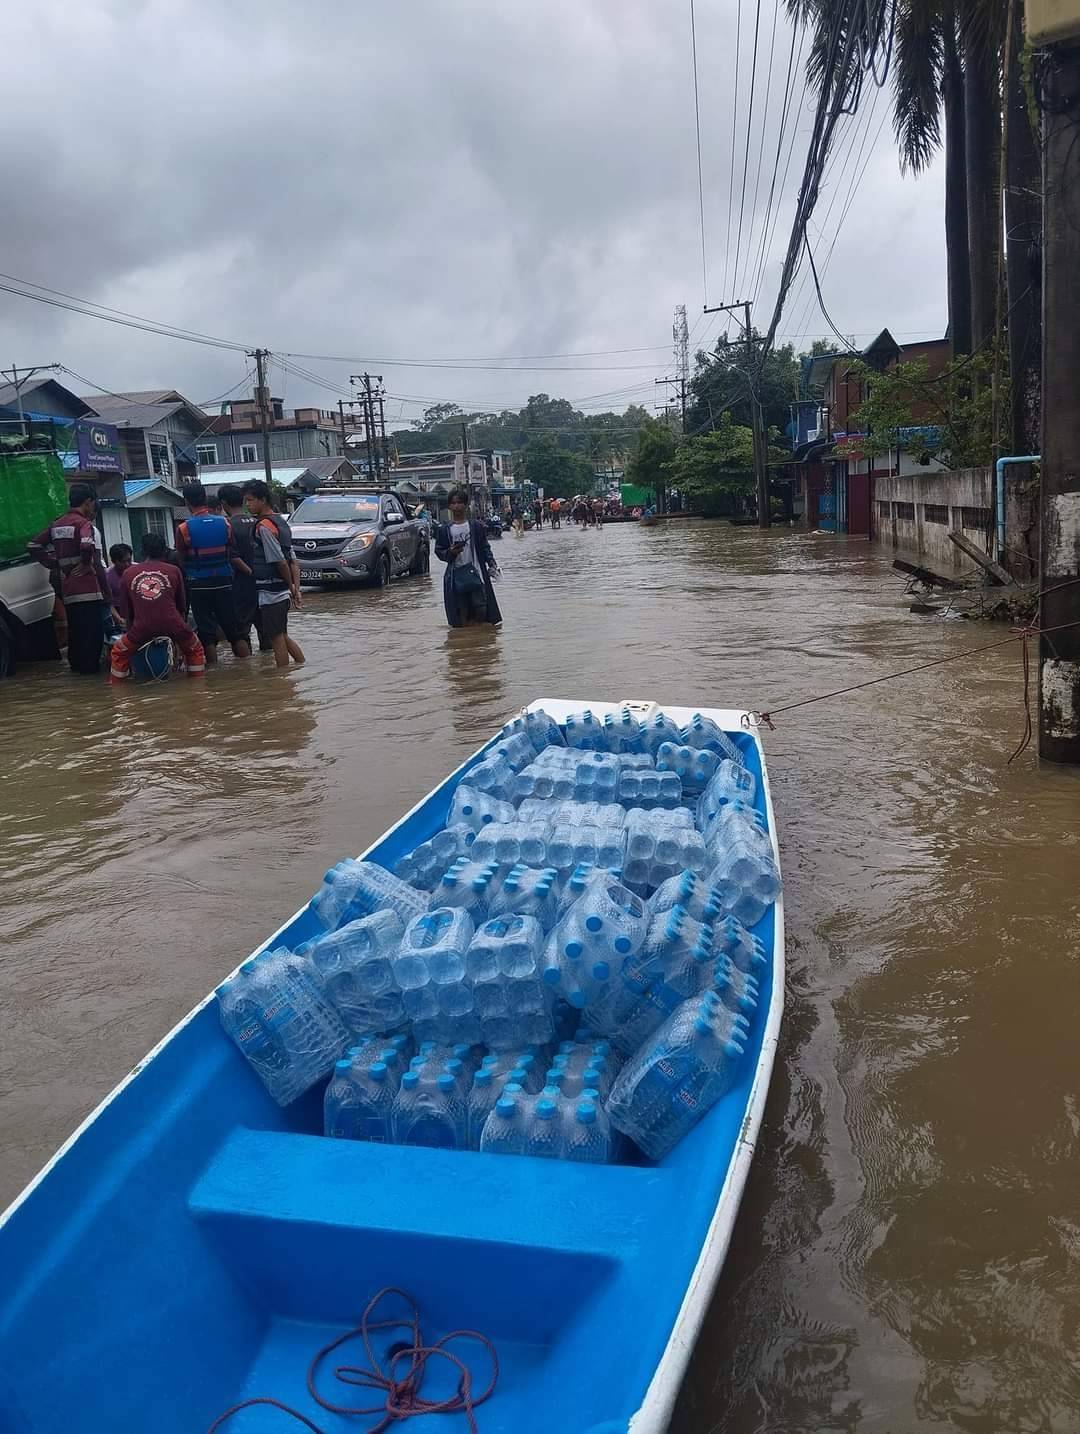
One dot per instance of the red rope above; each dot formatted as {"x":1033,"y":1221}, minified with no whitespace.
{"x":401,"y":1395}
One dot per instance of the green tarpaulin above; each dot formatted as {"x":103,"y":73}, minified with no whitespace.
{"x":636,"y":497}
{"x":32,"y":494}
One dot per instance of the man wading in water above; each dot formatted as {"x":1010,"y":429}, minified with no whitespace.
{"x":463,"y":546}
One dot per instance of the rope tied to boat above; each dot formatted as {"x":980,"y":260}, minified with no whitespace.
{"x":1018,"y":634}
{"x":402,"y":1393}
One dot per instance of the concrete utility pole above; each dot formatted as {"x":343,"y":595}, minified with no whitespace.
{"x":1059,"y":547}
{"x":341,"y":416}
{"x":761,"y":472}
{"x":260,"y":356}
{"x":364,"y":379}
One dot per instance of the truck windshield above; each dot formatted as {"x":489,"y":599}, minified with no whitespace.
{"x":338,"y":508}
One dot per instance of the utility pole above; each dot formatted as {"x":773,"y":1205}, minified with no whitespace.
{"x":364,"y":380}
{"x":260,"y":356}
{"x":341,"y":416}
{"x":465,"y":454}
{"x":383,"y":454}
{"x":1059,"y":547}
{"x":761,"y":472}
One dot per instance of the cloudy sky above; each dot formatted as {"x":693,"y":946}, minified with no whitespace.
{"x":360,"y":185}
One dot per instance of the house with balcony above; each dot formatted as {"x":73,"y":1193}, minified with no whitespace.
{"x":834,"y":482}
{"x":235,"y":434}
{"x":428,"y":478}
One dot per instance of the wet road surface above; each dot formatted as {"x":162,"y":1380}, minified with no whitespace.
{"x":908,"y":1251}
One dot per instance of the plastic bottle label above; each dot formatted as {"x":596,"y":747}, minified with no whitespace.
{"x":278,"y":1013}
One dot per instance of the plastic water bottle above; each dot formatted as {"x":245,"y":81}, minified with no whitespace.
{"x":474,"y":808}
{"x":744,"y":950}
{"x":678,"y":1075}
{"x":276,"y":1013}
{"x":428,"y":1110}
{"x":357,"y":1103}
{"x":515,"y":944}
{"x":694,"y":767}
{"x":582,"y":876}
{"x":735,"y":821}
{"x":593,"y":940}
{"x":690,"y":891}
{"x":649,"y":789}
{"x":657,"y":849}
{"x":585,"y":732}
{"x":471,"y":885}
{"x":541,"y":729}
{"x":437,"y":940}
{"x":355,"y":967}
{"x":425,"y":864}
{"x":548,"y":782}
{"x":596,"y":778}
{"x":494,"y":776}
{"x":585,"y":814}
{"x":658,"y":729}
{"x":485,"y":1092}
{"x":359,"y":888}
{"x":512,"y":843}
{"x":703,"y":733}
{"x":676,"y":961}
{"x":504,"y":1129}
{"x":545,"y":1128}
{"x":529,"y":891}
{"x":738,"y":990}
{"x":568,"y":847}
{"x":560,"y":757}
{"x":623,"y":732}
{"x":516,"y":750}
{"x":747,"y":880}
{"x":730,"y":782}
{"x":588,"y":1135}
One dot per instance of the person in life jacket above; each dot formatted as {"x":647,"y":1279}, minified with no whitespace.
{"x":69,"y":550}
{"x":276,"y":572}
{"x":153,"y":603}
{"x":207,"y":551}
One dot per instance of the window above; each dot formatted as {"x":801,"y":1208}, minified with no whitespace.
{"x":205,"y":453}
{"x":159,"y":458}
{"x":884,"y":510}
{"x":978,"y":519}
{"x":904,"y":512}
{"x":936,"y":512}
{"x":393,"y":506}
{"x":157,"y":521}
{"x":249,"y":453}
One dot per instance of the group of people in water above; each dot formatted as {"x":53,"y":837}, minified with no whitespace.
{"x":232,"y":570}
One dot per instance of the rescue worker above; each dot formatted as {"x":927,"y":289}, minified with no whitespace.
{"x":276,"y":572}
{"x":153,"y":603}
{"x":207,"y":551}
{"x":68,"y":548}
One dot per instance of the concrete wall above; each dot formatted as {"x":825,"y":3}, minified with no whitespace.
{"x":915,"y":512}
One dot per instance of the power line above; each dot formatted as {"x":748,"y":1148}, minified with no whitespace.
{"x":746,"y":152}
{"x":761,"y":141}
{"x":734,"y":132}
{"x":700,"y":183}
{"x":790,"y":112}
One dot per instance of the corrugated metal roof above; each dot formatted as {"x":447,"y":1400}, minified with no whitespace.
{"x":136,"y":487}
{"x":213,"y":475}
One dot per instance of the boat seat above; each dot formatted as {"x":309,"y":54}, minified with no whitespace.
{"x":315,"y":1222}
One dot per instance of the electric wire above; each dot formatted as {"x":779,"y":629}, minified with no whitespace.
{"x":746,"y":152}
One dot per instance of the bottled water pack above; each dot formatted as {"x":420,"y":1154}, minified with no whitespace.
{"x":425,"y":864}
{"x":730,"y":782}
{"x":503,"y":964}
{"x":511,"y":843}
{"x":355,"y":966}
{"x":593,"y":940}
{"x":640,"y":788}
{"x":676,"y":961}
{"x":678,"y":1074}
{"x":658,"y":848}
{"x":471,"y":885}
{"x":276,"y":1012}
{"x":703,"y":733}
{"x":359,"y":888}
{"x":541,"y":730}
{"x":474,"y":808}
{"x":568,"y":847}
{"x":694,"y":767}
{"x":529,"y":891}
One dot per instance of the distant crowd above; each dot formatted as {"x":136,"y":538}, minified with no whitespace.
{"x":232,"y":572}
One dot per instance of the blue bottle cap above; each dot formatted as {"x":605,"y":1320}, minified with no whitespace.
{"x":483,"y":1077}
{"x":573,"y":950}
{"x":513,"y":1087}
{"x":460,"y":1050}
{"x":545,"y":1109}
{"x":466,"y":809}
{"x":506,"y":1106}
{"x":701,"y":1025}
{"x":377,"y":1071}
{"x":586,"y":1113}
{"x":343,"y":1067}
{"x":490,"y":1060}
{"x":601,"y":970}
{"x":410,"y":1080}
{"x":446,"y":1082}
{"x":454,"y":1067}
{"x":389,"y":1056}
{"x":593,"y":923}
{"x":590,"y":1092}
{"x":576,"y":999}
{"x":553,"y":1081}
{"x":602,"y":1048}
{"x":551,"y":975}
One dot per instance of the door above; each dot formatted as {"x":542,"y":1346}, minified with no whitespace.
{"x":399,"y":537}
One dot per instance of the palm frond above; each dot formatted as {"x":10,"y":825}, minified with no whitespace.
{"x":917,"y":68}
{"x":982,"y":26}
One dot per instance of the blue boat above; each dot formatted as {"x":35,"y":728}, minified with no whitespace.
{"x":192,"y":1244}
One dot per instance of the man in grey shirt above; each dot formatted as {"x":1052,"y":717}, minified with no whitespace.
{"x":275,"y":572}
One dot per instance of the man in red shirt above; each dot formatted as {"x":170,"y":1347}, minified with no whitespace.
{"x":68,"y":549}
{"x":153,"y":603}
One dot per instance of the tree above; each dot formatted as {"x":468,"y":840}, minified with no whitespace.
{"x":558,"y":471}
{"x":948,"y":417}
{"x":719,"y":385}
{"x":437,"y":416}
{"x":653,"y":451}
{"x":713,"y":466}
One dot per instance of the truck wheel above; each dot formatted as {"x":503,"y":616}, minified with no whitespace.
{"x":383,"y":573}
{"x":421,"y":564}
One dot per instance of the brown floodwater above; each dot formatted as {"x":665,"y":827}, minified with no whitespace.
{"x":908,"y":1251}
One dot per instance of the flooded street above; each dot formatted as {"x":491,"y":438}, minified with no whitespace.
{"x":908,"y":1251}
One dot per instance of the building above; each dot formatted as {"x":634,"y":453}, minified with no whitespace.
{"x":159,"y":432}
{"x":429,"y":477}
{"x":235,"y":435}
{"x":834,"y":486}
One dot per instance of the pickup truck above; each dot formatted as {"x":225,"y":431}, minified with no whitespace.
{"x":358,"y":537}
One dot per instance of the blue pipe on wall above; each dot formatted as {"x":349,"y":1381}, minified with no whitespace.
{"x":1000,"y":494}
